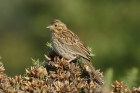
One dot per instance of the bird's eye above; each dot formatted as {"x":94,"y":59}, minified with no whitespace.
{"x":55,"y":25}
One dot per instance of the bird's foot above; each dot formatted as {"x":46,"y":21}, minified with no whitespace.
{"x":71,"y":59}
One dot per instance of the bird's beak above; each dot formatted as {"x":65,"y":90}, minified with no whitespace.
{"x":48,"y":26}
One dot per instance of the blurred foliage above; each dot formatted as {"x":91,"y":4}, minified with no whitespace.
{"x":108,"y":76}
{"x":110,"y":27}
{"x":131,"y":77}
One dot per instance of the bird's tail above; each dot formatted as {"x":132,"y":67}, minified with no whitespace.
{"x":92,"y":70}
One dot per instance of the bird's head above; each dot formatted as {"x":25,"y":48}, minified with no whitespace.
{"x":57,"y":26}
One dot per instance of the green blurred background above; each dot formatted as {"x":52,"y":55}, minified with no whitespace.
{"x":110,"y":27}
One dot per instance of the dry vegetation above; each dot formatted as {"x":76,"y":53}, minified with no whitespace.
{"x":56,"y":75}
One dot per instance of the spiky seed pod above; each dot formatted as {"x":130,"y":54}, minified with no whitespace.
{"x":135,"y":90}
{"x":118,"y":87}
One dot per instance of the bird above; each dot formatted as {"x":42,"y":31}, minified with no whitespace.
{"x":68,"y":45}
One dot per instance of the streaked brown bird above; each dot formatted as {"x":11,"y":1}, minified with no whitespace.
{"x":67,"y":44}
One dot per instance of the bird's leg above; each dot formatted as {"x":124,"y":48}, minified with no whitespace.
{"x":72,"y":59}
{"x":76,"y":56}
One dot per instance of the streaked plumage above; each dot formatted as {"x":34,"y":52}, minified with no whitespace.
{"x":67,"y":44}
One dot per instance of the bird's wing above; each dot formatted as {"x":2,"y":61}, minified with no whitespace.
{"x":73,"y":43}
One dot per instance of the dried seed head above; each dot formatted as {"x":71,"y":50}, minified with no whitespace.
{"x":119,"y":87}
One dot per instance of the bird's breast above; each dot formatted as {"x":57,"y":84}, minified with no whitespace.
{"x":62,"y":49}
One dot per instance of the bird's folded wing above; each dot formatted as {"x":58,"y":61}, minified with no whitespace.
{"x":72,"y":42}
